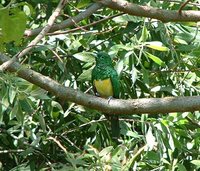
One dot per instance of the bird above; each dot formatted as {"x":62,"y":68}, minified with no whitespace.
{"x":106,"y":84}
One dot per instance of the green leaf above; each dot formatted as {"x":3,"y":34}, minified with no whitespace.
{"x":26,"y":105}
{"x":83,"y":3}
{"x":17,"y":112}
{"x":157,"y":46}
{"x":196,"y":162}
{"x":116,"y":48}
{"x":106,"y":151}
{"x":42,"y":122}
{"x":85,"y":57}
{"x":181,"y":167}
{"x":119,"y":67}
{"x":150,"y":139}
{"x":124,"y":19}
{"x":145,"y":78}
{"x":5,"y":102}
{"x":153,"y":156}
{"x":85,"y":75}
{"x":56,"y":109}
{"x":12,"y":25}
{"x":133,"y":74}
{"x":39,"y":93}
{"x":144,"y":35}
{"x":12,"y":94}
{"x":156,"y":59}
{"x":22,"y":167}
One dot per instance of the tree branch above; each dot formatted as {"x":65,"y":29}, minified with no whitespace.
{"x":115,"y":106}
{"x":182,"y":6}
{"x":86,"y":26}
{"x":150,"y":12}
{"x":67,"y":23}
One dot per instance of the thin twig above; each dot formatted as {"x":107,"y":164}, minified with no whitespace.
{"x":11,"y":151}
{"x":182,"y":6}
{"x":180,"y":2}
{"x":71,"y":143}
{"x":193,"y":122}
{"x":58,"y":143}
{"x":175,"y":71}
{"x":44,"y":31}
{"x":134,"y":157}
{"x":85,"y":124}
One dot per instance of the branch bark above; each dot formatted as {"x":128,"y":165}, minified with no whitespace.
{"x":150,"y":12}
{"x":115,"y":106}
{"x":69,"y":22}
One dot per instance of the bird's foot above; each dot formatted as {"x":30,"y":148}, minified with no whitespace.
{"x":109,"y":99}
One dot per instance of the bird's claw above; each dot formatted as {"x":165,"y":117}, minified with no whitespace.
{"x":109,"y":99}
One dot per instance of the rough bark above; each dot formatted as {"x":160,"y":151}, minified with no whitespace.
{"x":115,"y":106}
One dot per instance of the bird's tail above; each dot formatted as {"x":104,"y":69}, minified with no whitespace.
{"x":115,"y":128}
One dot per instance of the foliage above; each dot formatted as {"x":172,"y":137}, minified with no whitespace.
{"x":38,"y":131}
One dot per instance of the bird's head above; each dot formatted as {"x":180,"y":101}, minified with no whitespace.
{"x":103,"y":58}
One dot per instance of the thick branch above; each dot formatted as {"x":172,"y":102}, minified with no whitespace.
{"x":69,"y":22}
{"x":139,"y":106}
{"x":150,"y":12}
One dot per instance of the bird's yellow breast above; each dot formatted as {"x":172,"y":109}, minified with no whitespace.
{"x":104,"y":87}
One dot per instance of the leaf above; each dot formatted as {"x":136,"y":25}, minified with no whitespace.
{"x":184,"y":37}
{"x":42,"y":122}
{"x":145,"y":77}
{"x":106,"y":151}
{"x":144,"y":35}
{"x":12,"y":94}
{"x":56,"y":109}
{"x":83,"y":3}
{"x":133,"y":74}
{"x":123,"y":19}
{"x":39,"y":93}
{"x":119,"y":67}
{"x":196,"y":162}
{"x":116,"y":48}
{"x":85,"y":57}
{"x":17,"y":112}
{"x":157,"y":46}
{"x":26,"y":105}
{"x":132,"y":134}
{"x":181,"y":167}
{"x":85,"y":75}
{"x":151,"y":141}
{"x":155,"y":59}
{"x":180,"y":41}
{"x":22,"y":167}
{"x":13,"y":111}
{"x":162,"y":88}
{"x":153,"y":156}
{"x":82,"y":119}
{"x":12,"y":24}
{"x":5,"y":100}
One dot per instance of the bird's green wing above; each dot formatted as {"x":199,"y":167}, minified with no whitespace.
{"x":115,"y":83}
{"x":94,"y":74}
{"x":115,"y":128}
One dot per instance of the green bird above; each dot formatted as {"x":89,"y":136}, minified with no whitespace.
{"x":106,"y":84}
